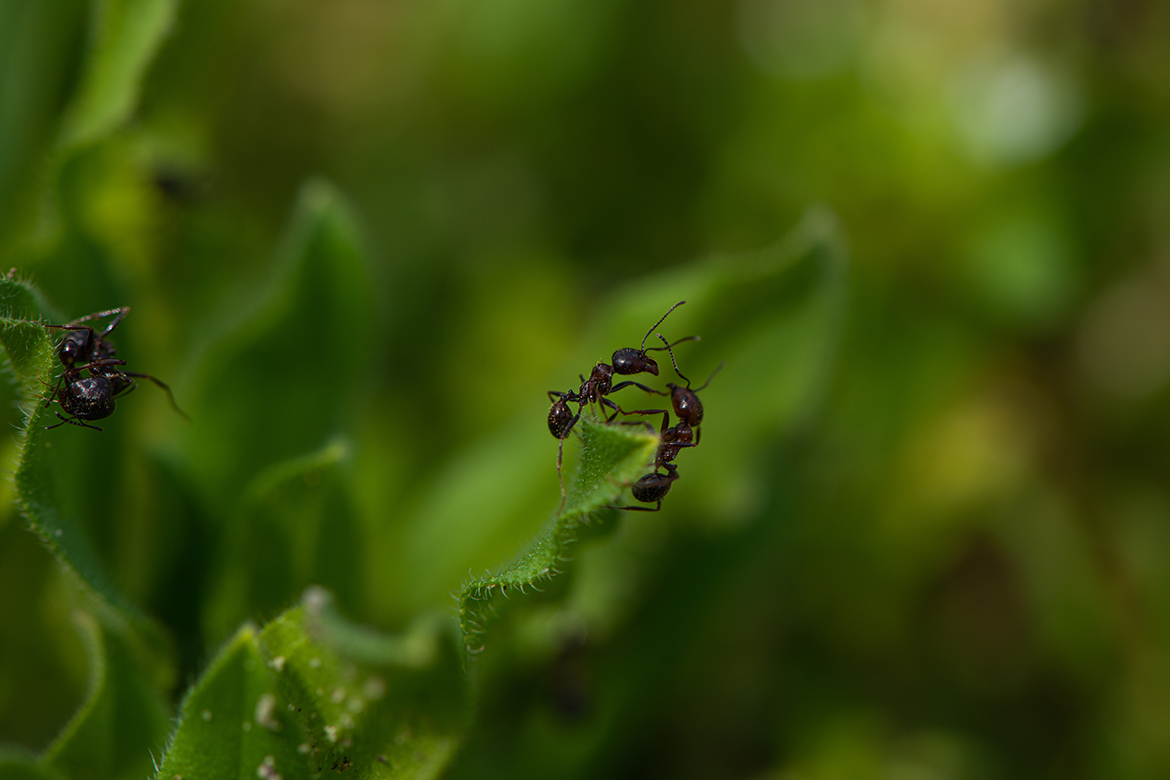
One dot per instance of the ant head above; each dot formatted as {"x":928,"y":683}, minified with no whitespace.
{"x":73,"y":347}
{"x":628,"y":360}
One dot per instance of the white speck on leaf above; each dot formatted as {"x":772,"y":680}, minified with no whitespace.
{"x":265,"y":709}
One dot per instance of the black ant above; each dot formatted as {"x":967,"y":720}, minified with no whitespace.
{"x":653,"y":487}
{"x":626,"y":361}
{"x":92,"y":397}
{"x":686,"y":401}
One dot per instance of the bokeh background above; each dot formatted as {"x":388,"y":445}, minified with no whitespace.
{"x":956,"y":567}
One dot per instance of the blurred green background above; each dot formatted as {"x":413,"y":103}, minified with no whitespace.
{"x":955,"y":567}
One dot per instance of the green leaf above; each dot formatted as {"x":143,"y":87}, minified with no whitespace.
{"x":19,"y":764}
{"x":231,"y":724}
{"x":312,"y":692}
{"x":122,"y":719}
{"x":774,"y":317}
{"x":284,"y":375}
{"x":124,"y":37}
{"x":613,"y":458}
{"x":295,"y":527}
{"x":28,"y":350}
{"x":38,"y":39}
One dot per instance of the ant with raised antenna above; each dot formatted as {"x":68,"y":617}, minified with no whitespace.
{"x":685,"y":401}
{"x":92,"y":397}
{"x":626,"y":361}
{"x":653,"y":487}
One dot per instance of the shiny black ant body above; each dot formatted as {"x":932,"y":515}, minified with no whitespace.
{"x":626,"y":361}
{"x":92,"y":397}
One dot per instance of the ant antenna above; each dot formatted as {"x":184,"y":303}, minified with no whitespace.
{"x":718,"y":368}
{"x":671,"y":351}
{"x":673,"y":343}
{"x":655,"y":325}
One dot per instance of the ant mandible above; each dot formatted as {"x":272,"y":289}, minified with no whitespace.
{"x":92,"y":397}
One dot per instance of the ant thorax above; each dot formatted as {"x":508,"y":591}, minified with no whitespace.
{"x":598,"y":384}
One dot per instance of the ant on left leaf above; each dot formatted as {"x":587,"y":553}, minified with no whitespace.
{"x":91,"y":397}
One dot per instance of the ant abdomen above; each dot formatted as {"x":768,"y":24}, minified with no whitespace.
{"x":561,"y":418}
{"x":654,"y":487}
{"x":90,"y":398}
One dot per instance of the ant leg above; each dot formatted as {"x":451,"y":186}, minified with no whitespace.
{"x":53,"y":395}
{"x":121,"y":312}
{"x":101,"y":364}
{"x":637,"y":508}
{"x":71,"y":421}
{"x":673,"y":343}
{"x":560,"y":474}
{"x":171,"y":395}
{"x":93,"y":335}
{"x":569,"y":427}
{"x":618,"y":410}
{"x":627,"y":383}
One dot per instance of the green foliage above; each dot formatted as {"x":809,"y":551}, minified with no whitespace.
{"x":612,"y":460}
{"x":30,"y":358}
{"x":124,"y":37}
{"x":270,"y":701}
{"x":122,"y":718}
{"x":18,"y":764}
{"x":312,"y":692}
{"x":924,"y":532}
